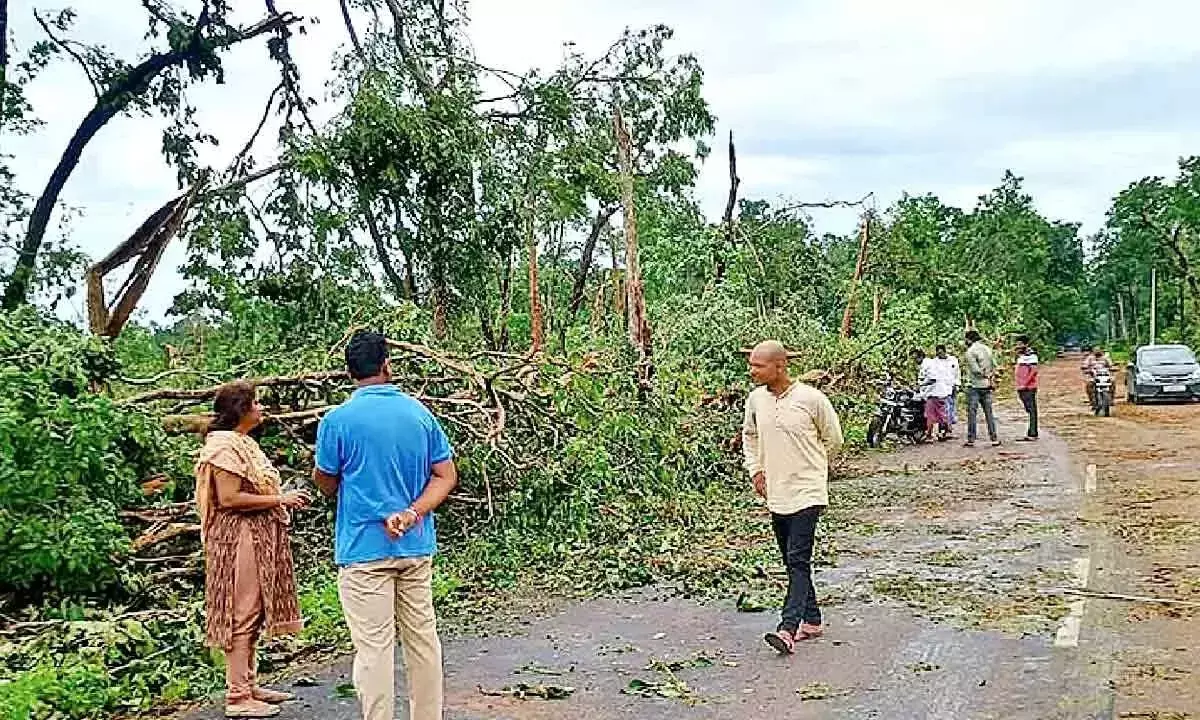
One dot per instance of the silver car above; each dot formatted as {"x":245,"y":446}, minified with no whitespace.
{"x":1163,"y":372}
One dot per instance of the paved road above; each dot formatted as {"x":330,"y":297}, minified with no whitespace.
{"x":944,"y":601}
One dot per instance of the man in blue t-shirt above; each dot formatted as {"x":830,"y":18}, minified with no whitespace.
{"x":388,"y":461}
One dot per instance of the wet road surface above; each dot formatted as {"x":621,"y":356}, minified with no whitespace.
{"x":946,"y":597}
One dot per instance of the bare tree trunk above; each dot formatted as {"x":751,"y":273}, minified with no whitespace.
{"x":485,"y":327}
{"x":1133,"y":316}
{"x":536,"y":329}
{"x":618,"y":297}
{"x":133,"y":84}
{"x":1124,"y":325}
{"x":877,"y":308}
{"x":3,"y":52}
{"x":349,"y":21}
{"x":599,"y":224}
{"x":381,"y":248}
{"x":440,"y":297}
{"x":859,"y":266}
{"x":505,"y":301}
{"x":598,"y":306}
{"x":1185,"y":267}
{"x":3,"y":61}
{"x":730,"y":206}
{"x":639,"y":324}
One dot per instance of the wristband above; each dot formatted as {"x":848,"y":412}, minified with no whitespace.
{"x":416,"y":515}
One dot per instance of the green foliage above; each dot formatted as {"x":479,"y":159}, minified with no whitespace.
{"x":1153,"y":225}
{"x":417,"y":210}
{"x":69,"y":459}
{"x":1002,"y":266}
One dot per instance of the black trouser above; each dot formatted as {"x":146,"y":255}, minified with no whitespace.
{"x":1029,"y":400}
{"x":795,"y":535}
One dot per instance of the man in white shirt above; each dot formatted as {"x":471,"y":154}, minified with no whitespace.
{"x":789,"y":432}
{"x":953,"y":372}
{"x":937,"y":385}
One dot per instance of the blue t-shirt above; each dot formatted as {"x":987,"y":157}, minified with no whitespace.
{"x":383,"y":444}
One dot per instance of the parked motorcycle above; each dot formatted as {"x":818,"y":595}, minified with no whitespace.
{"x":898,"y":411}
{"x":1103,"y":395}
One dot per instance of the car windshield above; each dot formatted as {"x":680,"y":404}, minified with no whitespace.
{"x":1168,"y":356}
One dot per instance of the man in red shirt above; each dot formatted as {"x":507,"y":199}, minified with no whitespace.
{"x":1026,"y":376}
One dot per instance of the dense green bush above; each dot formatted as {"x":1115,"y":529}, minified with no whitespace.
{"x":69,"y":460}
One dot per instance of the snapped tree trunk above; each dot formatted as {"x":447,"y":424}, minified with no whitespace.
{"x":719,"y":266}
{"x":859,"y":266}
{"x":133,"y":84}
{"x":639,"y":323}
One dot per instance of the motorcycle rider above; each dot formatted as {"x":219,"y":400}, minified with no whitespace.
{"x":1094,"y":360}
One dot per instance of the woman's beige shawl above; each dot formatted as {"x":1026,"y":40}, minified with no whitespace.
{"x":235,"y":453}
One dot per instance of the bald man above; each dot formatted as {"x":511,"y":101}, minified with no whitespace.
{"x":788,"y":435}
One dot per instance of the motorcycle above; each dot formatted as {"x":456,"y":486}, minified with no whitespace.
{"x":898,"y":411}
{"x":1102,"y":379}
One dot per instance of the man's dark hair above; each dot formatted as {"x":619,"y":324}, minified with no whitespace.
{"x":973,"y":336}
{"x":940,"y":348}
{"x":1023,"y":339}
{"x":365,"y":354}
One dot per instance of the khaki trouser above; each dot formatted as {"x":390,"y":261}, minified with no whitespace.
{"x":376,"y":597}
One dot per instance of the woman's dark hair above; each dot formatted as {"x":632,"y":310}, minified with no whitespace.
{"x":973,"y":336}
{"x":233,"y":401}
{"x":365,"y":354}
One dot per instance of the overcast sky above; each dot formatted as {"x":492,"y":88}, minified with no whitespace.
{"x":828,"y":100}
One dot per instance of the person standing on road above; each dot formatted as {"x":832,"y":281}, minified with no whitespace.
{"x":952,"y":372}
{"x":935,"y":386}
{"x":245,"y":518}
{"x":1026,"y":378}
{"x":788,"y":435}
{"x":390,"y":464}
{"x":981,"y":367}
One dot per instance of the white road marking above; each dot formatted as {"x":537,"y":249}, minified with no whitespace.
{"x":1083,"y":567}
{"x":1068,"y":632}
{"x":1089,"y":479}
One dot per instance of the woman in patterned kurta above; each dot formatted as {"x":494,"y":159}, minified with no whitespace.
{"x":250,"y":586}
